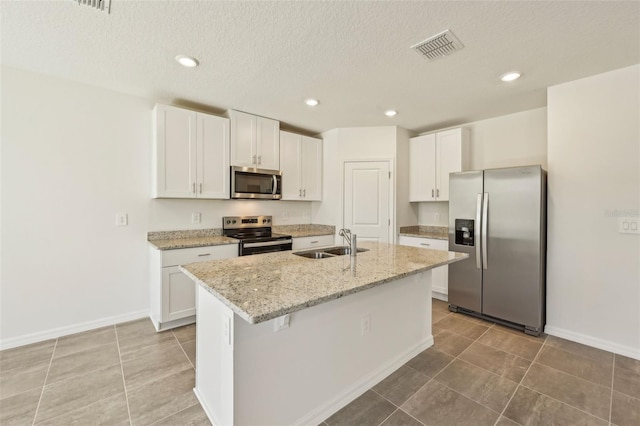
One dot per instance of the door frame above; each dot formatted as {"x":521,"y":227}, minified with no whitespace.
{"x":392,"y":194}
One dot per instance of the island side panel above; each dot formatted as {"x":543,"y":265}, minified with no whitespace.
{"x":305,"y":373}
{"x":214,"y":358}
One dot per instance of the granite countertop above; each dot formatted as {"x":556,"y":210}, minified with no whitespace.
{"x":263,"y":287}
{"x":308,"y":230}
{"x":170,"y":240}
{"x":424,"y":231}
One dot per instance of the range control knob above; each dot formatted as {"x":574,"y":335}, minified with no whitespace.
{"x":234,"y":221}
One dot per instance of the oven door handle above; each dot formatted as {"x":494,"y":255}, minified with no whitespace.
{"x":267,"y":243}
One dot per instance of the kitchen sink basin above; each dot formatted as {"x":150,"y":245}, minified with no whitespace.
{"x":342,"y":250}
{"x":314,"y":254}
{"x":328,"y":252}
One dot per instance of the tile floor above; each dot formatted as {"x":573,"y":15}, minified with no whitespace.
{"x":477,"y":373}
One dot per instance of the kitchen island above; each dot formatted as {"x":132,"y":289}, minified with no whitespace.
{"x":283,"y":339}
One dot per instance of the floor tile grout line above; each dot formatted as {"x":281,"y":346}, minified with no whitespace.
{"x":613,"y":374}
{"x":564,"y":403}
{"x":177,"y":412}
{"x":35,"y":415}
{"x":124,"y":381}
{"x":521,"y":381}
{"x":574,"y":376}
{"x":385,"y":419}
{"x":182,"y":349}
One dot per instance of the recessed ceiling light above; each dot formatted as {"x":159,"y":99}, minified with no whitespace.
{"x":311,"y":102}
{"x":390,"y":113}
{"x":510,"y":76}
{"x":187,"y":61}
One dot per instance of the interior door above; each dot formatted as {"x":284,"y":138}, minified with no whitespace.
{"x":367,"y":200}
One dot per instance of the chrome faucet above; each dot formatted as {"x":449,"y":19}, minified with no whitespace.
{"x":351,"y":240}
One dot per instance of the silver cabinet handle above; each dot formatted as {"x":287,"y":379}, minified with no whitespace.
{"x":204,"y":254}
{"x":485,"y":225}
{"x":193,"y":187}
{"x":254,"y":160}
{"x":476,"y":230}
{"x":200,"y":184}
{"x":304,"y":192}
{"x":259,"y":159}
{"x":314,"y":242}
{"x":432,"y":193}
{"x":438,"y":193}
{"x":425,"y":244}
{"x":299,"y":192}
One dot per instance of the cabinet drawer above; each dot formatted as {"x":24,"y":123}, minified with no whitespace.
{"x":302,"y":243}
{"x":423,"y":242}
{"x":198,"y":254}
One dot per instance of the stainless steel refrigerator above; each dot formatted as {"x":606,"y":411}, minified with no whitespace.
{"x":498,"y":217}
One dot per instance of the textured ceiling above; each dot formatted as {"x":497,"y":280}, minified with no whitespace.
{"x":355,"y":57}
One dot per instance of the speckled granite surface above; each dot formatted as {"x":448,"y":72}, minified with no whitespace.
{"x":308,"y":230}
{"x":170,"y":240}
{"x":424,"y":231}
{"x":259,"y":288}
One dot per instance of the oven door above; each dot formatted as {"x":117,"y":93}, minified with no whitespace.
{"x":258,"y":247}
{"x":248,"y":183}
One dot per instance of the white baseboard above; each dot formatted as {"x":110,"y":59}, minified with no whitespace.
{"x":319,"y":414}
{"x":54,"y":333}
{"x":205,"y":407}
{"x":440,"y":296}
{"x":593,"y":341}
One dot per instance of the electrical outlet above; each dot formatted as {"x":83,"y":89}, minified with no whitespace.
{"x":122,"y":219}
{"x":628,"y":225}
{"x":196,"y":217}
{"x":437,"y":217}
{"x":365,"y":324}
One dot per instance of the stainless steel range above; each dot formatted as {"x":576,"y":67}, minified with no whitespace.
{"x":254,"y":233}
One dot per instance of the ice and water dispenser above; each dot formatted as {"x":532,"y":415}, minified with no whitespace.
{"x":464,"y":232}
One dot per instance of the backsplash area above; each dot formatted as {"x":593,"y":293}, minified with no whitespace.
{"x":172,"y":214}
{"x":434,"y":213}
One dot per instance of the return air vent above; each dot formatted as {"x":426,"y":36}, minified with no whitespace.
{"x":439,"y":45}
{"x":102,"y":5}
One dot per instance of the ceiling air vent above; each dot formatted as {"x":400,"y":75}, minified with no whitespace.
{"x":439,"y":45}
{"x":103,"y":5}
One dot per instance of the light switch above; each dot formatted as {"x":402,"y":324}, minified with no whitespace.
{"x":122,"y":219}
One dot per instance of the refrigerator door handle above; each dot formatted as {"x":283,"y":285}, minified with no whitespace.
{"x":477,"y":230}
{"x":485,"y":224}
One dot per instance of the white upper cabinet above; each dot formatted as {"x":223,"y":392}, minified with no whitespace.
{"x":301,"y":165}
{"x":255,"y":141}
{"x":431,"y":158}
{"x":190,"y":154}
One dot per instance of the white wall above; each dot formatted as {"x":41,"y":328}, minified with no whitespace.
{"x":518,"y":139}
{"x":593,"y":275}
{"x":72,"y":156}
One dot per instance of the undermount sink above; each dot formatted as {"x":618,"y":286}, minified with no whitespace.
{"x":328,"y":252}
{"x":342,"y":250}
{"x":315,"y":254}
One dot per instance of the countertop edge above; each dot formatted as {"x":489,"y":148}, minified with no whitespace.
{"x":423,"y":235}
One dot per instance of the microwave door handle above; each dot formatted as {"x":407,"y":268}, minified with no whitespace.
{"x":275,"y":185}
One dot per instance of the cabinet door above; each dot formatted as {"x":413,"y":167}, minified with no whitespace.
{"x":311,"y":169}
{"x":243,"y":139}
{"x":303,"y":243}
{"x":174,"y":153}
{"x":290,"y":165}
{"x":178,"y":295}
{"x":268,"y":144}
{"x":213,"y":157}
{"x":422,"y":168}
{"x":449,"y":153}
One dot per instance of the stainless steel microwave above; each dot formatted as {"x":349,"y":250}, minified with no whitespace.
{"x":259,"y":184}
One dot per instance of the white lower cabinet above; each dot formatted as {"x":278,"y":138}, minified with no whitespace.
{"x":173,"y":300}
{"x":440,"y":276}
{"x":303,"y":243}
